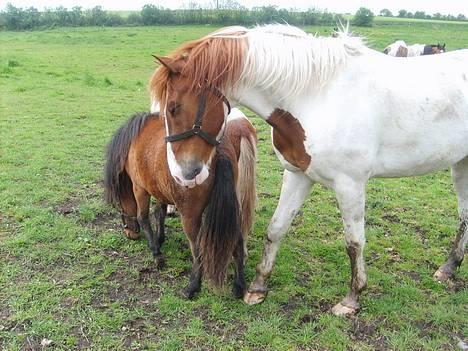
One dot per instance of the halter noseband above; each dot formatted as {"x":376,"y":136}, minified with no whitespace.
{"x":197,"y":126}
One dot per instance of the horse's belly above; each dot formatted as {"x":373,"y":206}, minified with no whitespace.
{"x":430,"y":150}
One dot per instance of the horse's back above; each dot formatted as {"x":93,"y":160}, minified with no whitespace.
{"x":421,"y":113}
{"x":238,"y":127}
{"x":147,"y":160}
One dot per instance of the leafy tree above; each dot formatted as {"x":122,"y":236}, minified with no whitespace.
{"x":402,"y":13}
{"x":150,"y":14}
{"x":363,"y":17}
{"x":385,"y":13}
{"x":12,"y":17}
{"x":420,"y":14}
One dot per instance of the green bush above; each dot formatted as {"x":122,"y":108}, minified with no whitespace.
{"x":363,"y":17}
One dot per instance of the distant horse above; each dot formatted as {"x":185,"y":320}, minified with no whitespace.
{"x":341,"y":113}
{"x":400,"y":49}
{"x":216,"y":215}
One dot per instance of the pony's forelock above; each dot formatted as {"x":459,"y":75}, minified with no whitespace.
{"x":217,"y":59}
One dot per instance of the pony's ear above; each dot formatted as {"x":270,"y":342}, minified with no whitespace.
{"x":174,"y":66}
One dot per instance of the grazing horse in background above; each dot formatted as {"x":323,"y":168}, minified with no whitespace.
{"x":400,"y":49}
{"x":341,"y":114}
{"x":216,"y":215}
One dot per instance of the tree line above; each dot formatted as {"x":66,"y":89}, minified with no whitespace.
{"x":14,"y":18}
{"x":422,"y":15}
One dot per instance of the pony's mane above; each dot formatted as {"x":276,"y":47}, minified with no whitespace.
{"x":280,"y":58}
{"x":217,"y":58}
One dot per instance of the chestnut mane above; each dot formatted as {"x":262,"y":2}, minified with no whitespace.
{"x":217,"y":59}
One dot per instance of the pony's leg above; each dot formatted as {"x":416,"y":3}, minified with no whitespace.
{"x":460,"y":180}
{"x":160,"y":211}
{"x":295,"y":188}
{"x":129,"y":212}
{"x":238,"y":287}
{"x":351,"y":200}
{"x":191,"y":222}
{"x":143,"y":200}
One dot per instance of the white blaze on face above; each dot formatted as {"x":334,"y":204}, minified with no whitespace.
{"x":177,"y":174}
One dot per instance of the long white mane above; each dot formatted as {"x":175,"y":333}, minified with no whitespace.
{"x":289,"y":62}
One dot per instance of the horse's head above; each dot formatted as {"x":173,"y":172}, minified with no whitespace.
{"x":195,"y":120}
{"x":434,"y":49}
{"x":440,"y":48}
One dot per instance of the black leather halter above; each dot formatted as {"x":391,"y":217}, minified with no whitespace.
{"x":197,"y":126}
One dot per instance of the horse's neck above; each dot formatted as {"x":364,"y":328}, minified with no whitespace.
{"x":415,"y":50}
{"x":254,"y":99}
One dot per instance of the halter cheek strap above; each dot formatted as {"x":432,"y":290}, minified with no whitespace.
{"x":197,"y":126}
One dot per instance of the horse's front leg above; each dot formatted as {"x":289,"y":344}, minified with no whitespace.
{"x":191,"y":222}
{"x":160,"y":211}
{"x":351,"y":200}
{"x":295,"y":188}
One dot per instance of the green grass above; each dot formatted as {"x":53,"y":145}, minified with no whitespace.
{"x":67,"y":274}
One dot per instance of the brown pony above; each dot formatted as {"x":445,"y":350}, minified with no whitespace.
{"x":216,"y":215}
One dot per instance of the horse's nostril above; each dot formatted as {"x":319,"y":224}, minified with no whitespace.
{"x":192,"y":173}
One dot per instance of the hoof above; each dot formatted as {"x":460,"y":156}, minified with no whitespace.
{"x":343,"y":310}
{"x":188,"y":294}
{"x":159,"y":261}
{"x":253,"y":297}
{"x":131,"y":234}
{"x":442,"y":274}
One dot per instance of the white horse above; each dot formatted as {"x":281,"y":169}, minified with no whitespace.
{"x":341,"y":113}
{"x":400,"y":49}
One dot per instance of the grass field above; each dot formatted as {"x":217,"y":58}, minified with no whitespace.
{"x":69,"y":276}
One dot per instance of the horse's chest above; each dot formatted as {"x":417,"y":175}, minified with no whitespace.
{"x":288,"y":139}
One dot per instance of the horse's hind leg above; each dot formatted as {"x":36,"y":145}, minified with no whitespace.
{"x":238,"y":287}
{"x":143,"y":201}
{"x":129,"y":213}
{"x":460,"y":181}
{"x":160,"y":211}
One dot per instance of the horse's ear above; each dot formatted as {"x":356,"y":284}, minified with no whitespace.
{"x":174,"y":66}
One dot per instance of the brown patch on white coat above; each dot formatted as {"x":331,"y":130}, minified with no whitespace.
{"x":288,"y":138}
{"x":402,"y":52}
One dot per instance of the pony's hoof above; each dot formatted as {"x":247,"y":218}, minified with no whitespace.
{"x":188,"y":294}
{"x":343,"y":310}
{"x":253,"y":297}
{"x":131,"y":234}
{"x":159,"y":261}
{"x":441,"y":275}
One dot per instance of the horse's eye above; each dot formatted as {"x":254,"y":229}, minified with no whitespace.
{"x":173,"y":108}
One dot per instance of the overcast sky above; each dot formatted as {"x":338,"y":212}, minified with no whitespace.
{"x":453,"y":7}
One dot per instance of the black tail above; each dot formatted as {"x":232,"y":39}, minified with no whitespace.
{"x":220,"y":232}
{"x":116,"y":180}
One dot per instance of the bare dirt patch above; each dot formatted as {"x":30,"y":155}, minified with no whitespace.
{"x":368,"y":332}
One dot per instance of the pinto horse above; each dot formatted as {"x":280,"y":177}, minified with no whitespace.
{"x":400,"y":49}
{"x":341,"y":114}
{"x":216,"y":215}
